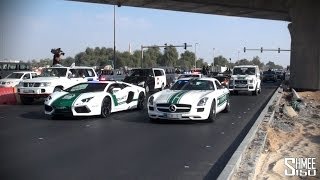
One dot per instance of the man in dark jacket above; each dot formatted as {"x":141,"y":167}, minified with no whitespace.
{"x":57,"y":56}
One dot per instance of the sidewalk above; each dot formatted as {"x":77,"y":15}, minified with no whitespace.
{"x":290,"y":133}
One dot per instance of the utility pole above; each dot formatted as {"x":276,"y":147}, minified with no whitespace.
{"x":213,"y":57}
{"x":195,"y":55}
{"x":114,"y":38}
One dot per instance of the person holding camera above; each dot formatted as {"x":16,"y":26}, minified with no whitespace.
{"x":57,"y":56}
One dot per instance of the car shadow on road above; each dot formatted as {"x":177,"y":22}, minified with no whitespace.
{"x":39,"y":115}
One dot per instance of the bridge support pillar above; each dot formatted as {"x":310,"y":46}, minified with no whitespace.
{"x":305,"y":45}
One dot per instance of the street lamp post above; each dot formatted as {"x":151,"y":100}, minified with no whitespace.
{"x":238,"y":55}
{"x":213,"y":57}
{"x":195,"y":55}
{"x":114,"y":36}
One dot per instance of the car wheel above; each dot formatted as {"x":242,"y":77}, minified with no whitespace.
{"x":255,"y":92}
{"x":26,"y":100}
{"x":227,"y":108}
{"x":141,"y":100}
{"x":212,"y":115}
{"x":235,"y":92}
{"x":106,"y":107}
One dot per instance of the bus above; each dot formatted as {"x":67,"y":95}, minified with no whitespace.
{"x":8,"y":67}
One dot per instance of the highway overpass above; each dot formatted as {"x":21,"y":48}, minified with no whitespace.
{"x":304,"y":28}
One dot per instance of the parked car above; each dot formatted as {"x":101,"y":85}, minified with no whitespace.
{"x":54,"y":79}
{"x":150,"y":79}
{"x":95,"y":98}
{"x":15,"y":78}
{"x":196,"y":99}
{"x":105,"y":75}
{"x":269,"y":76}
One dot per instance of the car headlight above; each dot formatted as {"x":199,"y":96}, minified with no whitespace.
{"x":203,"y":101}
{"x":251,"y":81}
{"x":151,"y":100}
{"x":86,"y":99}
{"x":141,"y":83}
{"x":20,"y":84}
{"x":9,"y":82}
{"x":45,"y":84}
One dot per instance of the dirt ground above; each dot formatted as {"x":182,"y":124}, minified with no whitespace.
{"x":297,"y":136}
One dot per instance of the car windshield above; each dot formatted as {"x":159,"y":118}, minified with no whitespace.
{"x":54,"y":72}
{"x":15,"y":76}
{"x":188,"y":75}
{"x":198,"y":85}
{"x":87,"y":87}
{"x":244,"y":71}
{"x":179,"y":84}
{"x":269,"y":72}
{"x":141,"y":72}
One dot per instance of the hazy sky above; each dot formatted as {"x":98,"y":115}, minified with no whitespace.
{"x":33,"y":27}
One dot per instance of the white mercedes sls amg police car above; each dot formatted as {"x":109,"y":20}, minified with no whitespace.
{"x":95,"y":98}
{"x":190,"y":99}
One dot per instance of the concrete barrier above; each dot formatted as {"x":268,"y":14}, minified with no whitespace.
{"x":8,"y":95}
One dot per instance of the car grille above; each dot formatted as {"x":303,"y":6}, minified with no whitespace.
{"x":181,"y":108}
{"x":240,"y":81}
{"x":31,"y":84}
{"x":64,"y":110}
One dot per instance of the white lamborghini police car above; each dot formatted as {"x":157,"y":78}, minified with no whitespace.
{"x":95,"y":98}
{"x":190,"y":99}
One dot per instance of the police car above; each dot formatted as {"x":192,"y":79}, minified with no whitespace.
{"x":95,"y":98}
{"x":190,"y":99}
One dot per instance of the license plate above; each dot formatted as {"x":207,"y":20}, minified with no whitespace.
{"x":28,"y":91}
{"x":241,"y":86}
{"x":173,"y":116}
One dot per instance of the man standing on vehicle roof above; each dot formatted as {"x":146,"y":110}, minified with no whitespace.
{"x":57,"y":56}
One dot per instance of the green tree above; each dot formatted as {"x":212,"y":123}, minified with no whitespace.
{"x":169,"y":57}
{"x":89,"y":51}
{"x":67,"y":61}
{"x":200,"y":63}
{"x":220,"y":61}
{"x":186,"y":60}
{"x":136,"y":59}
{"x":243,"y":62}
{"x":271,"y":65}
{"x":256,"y":61}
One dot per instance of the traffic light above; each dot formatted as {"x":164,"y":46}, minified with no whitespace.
{"x":261,"y":49}
{"x":165,"y":45}
{"x":244,"y":49}
{"x":278,"y":50}
{"x":185,"y":45}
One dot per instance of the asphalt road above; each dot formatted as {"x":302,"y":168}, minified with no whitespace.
{"x":125,"y":146}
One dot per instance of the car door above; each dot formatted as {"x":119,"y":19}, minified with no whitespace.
{"x":221,"y":96}
{"x":160,"y":78}
{"x":119,"y":96}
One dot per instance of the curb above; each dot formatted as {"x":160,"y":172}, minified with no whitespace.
{"x":235,"y":160}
